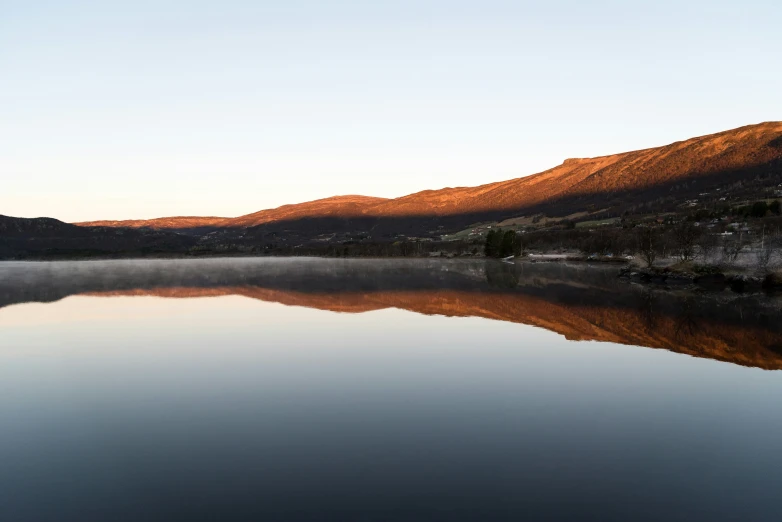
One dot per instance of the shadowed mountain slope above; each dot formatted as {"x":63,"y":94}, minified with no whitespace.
{"x":30,"y":237}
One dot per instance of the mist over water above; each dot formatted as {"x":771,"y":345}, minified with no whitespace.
{"x":311,"y":389}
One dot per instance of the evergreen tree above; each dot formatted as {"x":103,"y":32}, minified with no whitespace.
{"x":493,"y":243}
{"x":507,"y":243}
{"x":759,"y":209}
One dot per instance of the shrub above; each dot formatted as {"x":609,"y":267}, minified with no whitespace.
{"x":759,"y":209}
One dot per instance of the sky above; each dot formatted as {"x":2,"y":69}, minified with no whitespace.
{"x":142,"y":109}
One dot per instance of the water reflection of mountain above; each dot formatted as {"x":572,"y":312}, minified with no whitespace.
{"x":579,"y":302}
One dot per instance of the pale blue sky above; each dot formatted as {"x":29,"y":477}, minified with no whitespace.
{"x":150,"y":108}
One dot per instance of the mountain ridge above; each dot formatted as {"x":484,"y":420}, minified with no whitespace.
{"x":573,"y":185}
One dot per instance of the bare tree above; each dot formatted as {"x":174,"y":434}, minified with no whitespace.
{"x":648,"y":244}
{"x":685,"y":236}
{"x":765,"y":251}
{"x":708,"y":245}
{"x":733,"y":246}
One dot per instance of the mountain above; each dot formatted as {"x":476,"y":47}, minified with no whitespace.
{"x":715,"y":177}
{"x":675,"y":172}
{"x":338,"y":206}
{"x":342,"y":206}
{"x":177,"y":222}
{"x":46,"y":237}
{"x":12,"y":227}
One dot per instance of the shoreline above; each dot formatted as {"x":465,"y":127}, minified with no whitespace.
{"x":700,"y":277}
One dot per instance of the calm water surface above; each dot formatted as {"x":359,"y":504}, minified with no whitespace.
{"x":380,"y":390}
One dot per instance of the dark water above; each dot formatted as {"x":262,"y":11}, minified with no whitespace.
{"x":382,"y":390}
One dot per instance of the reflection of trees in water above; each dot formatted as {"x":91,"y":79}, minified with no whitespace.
{"x":687,"y":321}
{"x":766,"y":320}
{"x":740,"y":310}
{"x":502,"y":275}
{"x":648,"y":310}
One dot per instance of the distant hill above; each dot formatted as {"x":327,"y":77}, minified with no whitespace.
{"x":45,"y":237}
{"x":178,"y":222}
{"x":12,"y":227}
{"x":340,"y":206}
{"x":677,"y":171}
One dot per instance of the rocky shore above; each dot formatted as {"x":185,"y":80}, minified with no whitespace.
{"x":706,"y":277}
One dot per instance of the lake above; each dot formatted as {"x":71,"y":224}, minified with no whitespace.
{"x":313,"y":389}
